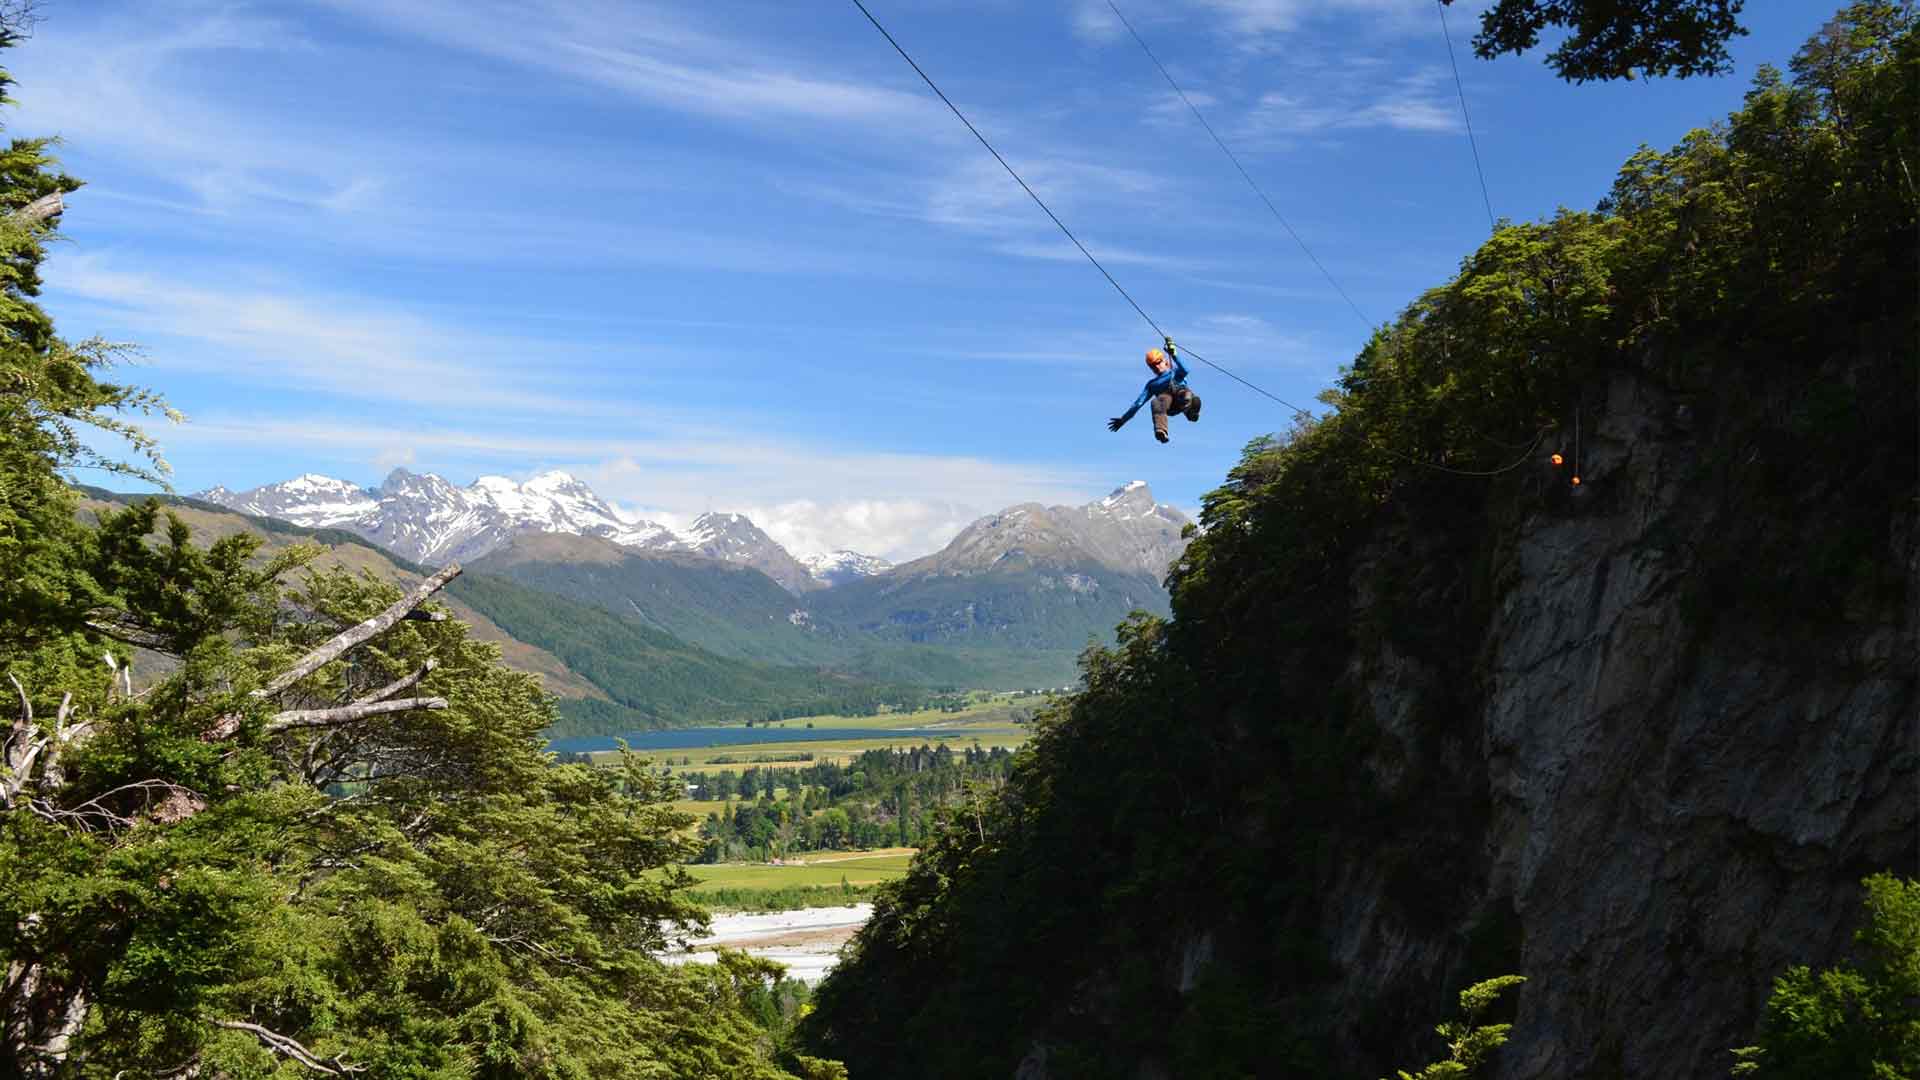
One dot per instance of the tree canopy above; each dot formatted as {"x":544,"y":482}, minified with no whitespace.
{"x":1613,"y":39}
{"x":245,"y":832}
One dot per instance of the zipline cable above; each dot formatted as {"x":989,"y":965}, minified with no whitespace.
{"x":931,"y":85}
{"x":924,"y":77}
{"x":1371,"y":325}
{"x":1464,"y":115}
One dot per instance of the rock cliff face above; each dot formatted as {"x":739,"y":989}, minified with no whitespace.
{"x":1648,"y":799}
{"x":1637,"y":740}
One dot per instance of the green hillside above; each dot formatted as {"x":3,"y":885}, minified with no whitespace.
{"x":1019,"y":633}
{"x":734,"y":611}
{"x":654,"y":678}
{"x":1021,"y":607}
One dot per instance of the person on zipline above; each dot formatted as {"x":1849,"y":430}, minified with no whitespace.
{"x":1167,"y":390}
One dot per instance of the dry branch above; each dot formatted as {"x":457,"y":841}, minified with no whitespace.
{"x":131,"y":635}
{"x":346,"y":714}
{"x":360,"y":632}
{"x":40,"y":209}
{"x":283,"y":1044}
{"x":398,"y":685}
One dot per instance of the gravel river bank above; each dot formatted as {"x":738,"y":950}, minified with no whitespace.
{"x":807,"y":941}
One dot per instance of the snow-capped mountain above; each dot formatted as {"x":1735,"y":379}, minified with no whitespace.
{"x":840,"y":567}
{"x":734,"y":538}
{"x":311,"y":500}
{"x":428,"y":520}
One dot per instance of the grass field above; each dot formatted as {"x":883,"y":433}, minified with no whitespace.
{"x":989,"y":721}
{"x":821,"y":869}
{"x":827,"y":879}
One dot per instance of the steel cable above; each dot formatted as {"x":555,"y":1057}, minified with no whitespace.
{"x":1041,"y":203}
{"x":1248,"y":177}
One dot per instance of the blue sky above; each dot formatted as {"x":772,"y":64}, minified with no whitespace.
{"x":734,"y":256}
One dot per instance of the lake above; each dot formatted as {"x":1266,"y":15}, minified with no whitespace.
{"x":698,"y":737}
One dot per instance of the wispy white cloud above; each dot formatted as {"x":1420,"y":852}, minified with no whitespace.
{"x":1362,"y":96}
{"x":1092,"y":20}
{"x":1063,"y":251}
{"x":288,"y":340}
{"x":108,"y":87}
{"x":647,"y":52}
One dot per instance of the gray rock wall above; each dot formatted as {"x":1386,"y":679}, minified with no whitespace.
{"x":1679,"y":802}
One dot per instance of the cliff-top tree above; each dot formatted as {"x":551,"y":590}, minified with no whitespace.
{"x":327,"y":842}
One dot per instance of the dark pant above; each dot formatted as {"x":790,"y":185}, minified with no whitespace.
{"x":1179,"y":403}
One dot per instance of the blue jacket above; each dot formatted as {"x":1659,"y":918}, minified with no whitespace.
{"x":1174,"y":378}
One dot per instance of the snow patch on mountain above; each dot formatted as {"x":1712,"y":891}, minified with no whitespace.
{"x":840,"y":567}
{"x":424,"y":518}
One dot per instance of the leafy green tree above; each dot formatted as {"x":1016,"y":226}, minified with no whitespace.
{"x":1612,"y":39}
{"x":1850,"y":1020}
{"x":1469,"y":1042}
{"x":322,"y":834}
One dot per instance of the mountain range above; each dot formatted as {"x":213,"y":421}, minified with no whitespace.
{"x":426,"y":519}
{"x":1009,"y":602}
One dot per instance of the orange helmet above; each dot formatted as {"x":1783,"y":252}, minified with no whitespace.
{"x":1155,"y":358}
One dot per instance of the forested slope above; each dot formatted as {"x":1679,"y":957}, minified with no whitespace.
{"x":1427,"y":711}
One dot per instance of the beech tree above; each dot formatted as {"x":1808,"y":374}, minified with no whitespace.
{"x":260,"y":820}
{"x":1613,"y":39}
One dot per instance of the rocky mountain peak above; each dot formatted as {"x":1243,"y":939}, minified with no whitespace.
{"x":735,"y":538}
{"x":1134,"y":497}
{"x":1127,"y":531}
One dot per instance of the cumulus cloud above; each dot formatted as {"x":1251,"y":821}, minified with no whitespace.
{"x":894,"y":529}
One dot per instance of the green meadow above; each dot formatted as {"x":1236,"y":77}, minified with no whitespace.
{"x":990,"y":720}
{"x":825,"y":880}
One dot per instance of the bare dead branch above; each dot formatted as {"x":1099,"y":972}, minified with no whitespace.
{"x":130,"y":634}
{"x":161,"y":801}
{"x":406,"y":683}
{"x":40,"y":209}
{"x":360,"y":632}
{"x":346,"y":714}
{"x":287,"y":1046}
{"x":26,"y":705}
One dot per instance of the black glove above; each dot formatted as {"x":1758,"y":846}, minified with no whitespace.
{"x":1114,"y":424}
